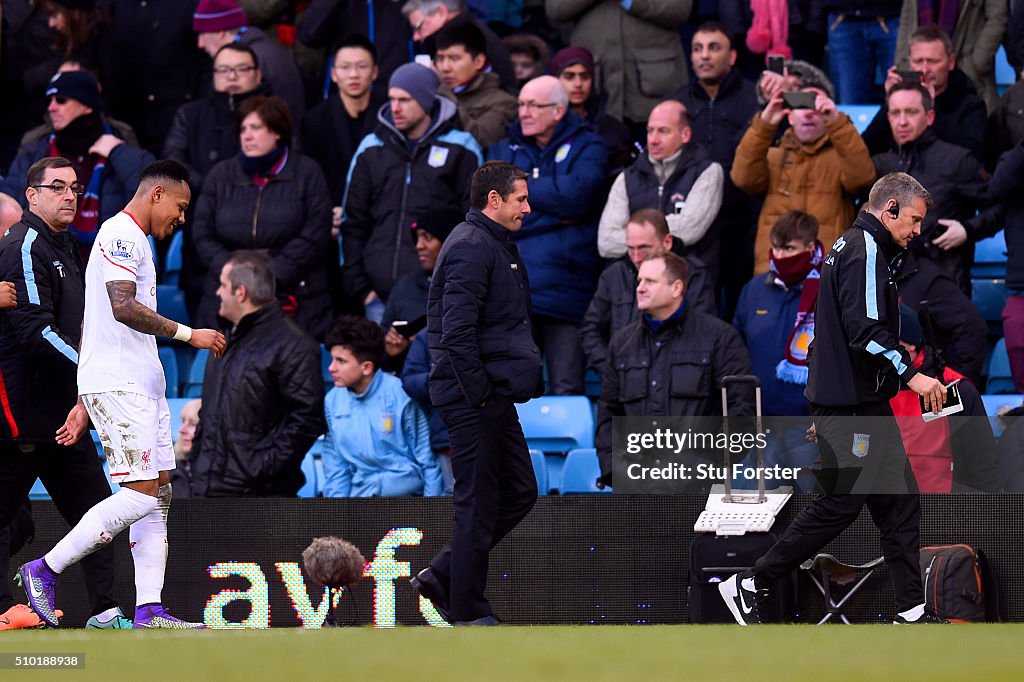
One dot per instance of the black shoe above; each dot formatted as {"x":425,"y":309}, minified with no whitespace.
{"x":744,"y":603}
{"x":430,"y":587}
{"x":486,"y":620}
{"x":927,"y":618}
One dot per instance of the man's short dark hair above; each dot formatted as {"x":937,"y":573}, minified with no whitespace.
{"x":652,"y":217}
{"x":899,"y":187}
{"x":255,"y":271}
{"x":715,"y":27}
{"x":904,"y":86}
{"x":461,"y":33}
{"x":357,"y":40}
{"x":362,"y":337}
{"x":37,"y":171}
{"x":165,"y":170}
{"x":930,"y":34}
{"x":499,"y":176}
{"x":676,"y":267}
{"x":272,"y":111}
{"x":244,"y":49}
{"x":794,"y":226}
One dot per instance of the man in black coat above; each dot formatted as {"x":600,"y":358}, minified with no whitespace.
{"x":954,"y":178}
{"x":614,"y":303}
{"x":960,"y":115}
{"x":263,"y":401}
{"x":856,"y":365}
{"x":670,"y":361}
{"x":39,"y":341}
{"x":721,"y":102}
{"x":485,"y":361}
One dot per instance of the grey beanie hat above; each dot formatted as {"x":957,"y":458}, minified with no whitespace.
{"x":810,"y":76}
{"x":419,"y":81}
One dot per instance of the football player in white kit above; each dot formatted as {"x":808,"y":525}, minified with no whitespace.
{"x":121,"y":388}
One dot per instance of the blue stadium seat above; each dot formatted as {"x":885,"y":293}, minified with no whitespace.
{"x":170,"y":302}
{"x":156,"y":254}
{"x":194,"y":386}
{"x":557,"y":423}
{"x":311,"y":488}
{"x":175,"y":405}
{"x":170,"y":362}
{"x":172,"y":268}
{"x":325,"y":362}
{"x":1005,"y":75}
{"x":540,"y":470}
{"x":38,"y":491}
{"x":580,"y":472}
{"x":592,"y":383}
{"x":994,"y":402}
{"x":860,"y":114}
{"x":990,"y":257}
{"x":989,"y":297}
{"x":999,"y":378}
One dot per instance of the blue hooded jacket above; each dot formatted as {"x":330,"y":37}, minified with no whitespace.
{"x":558,"y":241}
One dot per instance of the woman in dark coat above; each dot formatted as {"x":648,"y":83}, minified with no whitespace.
{"x":268,"y":197}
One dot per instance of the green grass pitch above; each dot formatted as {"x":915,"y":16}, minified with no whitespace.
{"x":620,"y":653}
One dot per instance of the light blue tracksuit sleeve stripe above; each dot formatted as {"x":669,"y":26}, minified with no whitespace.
{"x":26,"y":265}
{"x":58,"y":343}
{"x":876,"y":348}
{"x":464,"y":139}
{"x":870,"y":292}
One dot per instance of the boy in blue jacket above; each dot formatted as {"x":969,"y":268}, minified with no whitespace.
{"x":378,"y":439}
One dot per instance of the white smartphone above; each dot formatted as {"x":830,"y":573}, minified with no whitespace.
{"x":952,"y":406}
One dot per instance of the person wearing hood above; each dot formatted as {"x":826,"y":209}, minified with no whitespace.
{"x":575,"y":67}
{"x":414,"y":160}
{"x":271,"y":198}
{"x":960,"y":114}
{"x":107,"y":166}
{"x":819,"y":165}
{"x":565,"y":161}
{"x":954,"y":177}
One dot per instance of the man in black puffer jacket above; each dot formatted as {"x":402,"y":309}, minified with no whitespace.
{"x":263,"y":401}
{"x":485,"y":361}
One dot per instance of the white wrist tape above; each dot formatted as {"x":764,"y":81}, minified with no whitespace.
{"x":183,"y":333}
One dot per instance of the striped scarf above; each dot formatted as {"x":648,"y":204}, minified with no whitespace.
{"x":792,"y":368}
{"x":87,"y":219}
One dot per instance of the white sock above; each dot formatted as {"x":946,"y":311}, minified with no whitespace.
{"x":149,"y":550}
{"x":914,"y":613}
{"x":99,"y":526}
{"x":107,"y":615}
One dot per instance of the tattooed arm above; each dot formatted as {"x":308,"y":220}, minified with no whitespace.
{"x":132,"y":314}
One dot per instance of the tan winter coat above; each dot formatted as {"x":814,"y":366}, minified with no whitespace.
{"x":821,"y":178}
{"x":485,"y":109}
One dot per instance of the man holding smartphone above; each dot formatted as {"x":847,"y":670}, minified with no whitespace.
{"x":818,"y":167}
{"x":856,"y":364}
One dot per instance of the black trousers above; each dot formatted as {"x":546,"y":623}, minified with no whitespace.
{"x":495,"y":488}
{"x":74,"y":478}
{"x":896,"y":514}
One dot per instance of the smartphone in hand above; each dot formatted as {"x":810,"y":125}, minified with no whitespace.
{"x":952,"y":406}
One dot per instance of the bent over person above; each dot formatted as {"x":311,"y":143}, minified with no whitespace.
{"x":121,"y":389}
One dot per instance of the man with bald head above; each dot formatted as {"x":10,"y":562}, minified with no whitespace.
{"x":677,"y":178}
{"x":565,"y":161}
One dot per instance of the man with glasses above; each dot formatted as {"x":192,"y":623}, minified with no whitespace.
{"x":223,"y":22}
{"x":39,"y":341}
{"x":102,"y":162}
{"x":566,"y":162}
{"x":427,"y":17}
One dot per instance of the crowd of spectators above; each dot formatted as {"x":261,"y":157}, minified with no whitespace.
{"x":684,"y":189}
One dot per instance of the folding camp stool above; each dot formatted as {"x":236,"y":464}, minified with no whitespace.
{"x":833,"y":570}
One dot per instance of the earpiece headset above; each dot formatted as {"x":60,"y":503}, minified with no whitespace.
{"x":894,"y":210}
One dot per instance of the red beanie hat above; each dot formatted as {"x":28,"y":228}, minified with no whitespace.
{"x":218,"y":15}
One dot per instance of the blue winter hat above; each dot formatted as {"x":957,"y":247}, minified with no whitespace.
{"x":420,"y":82}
